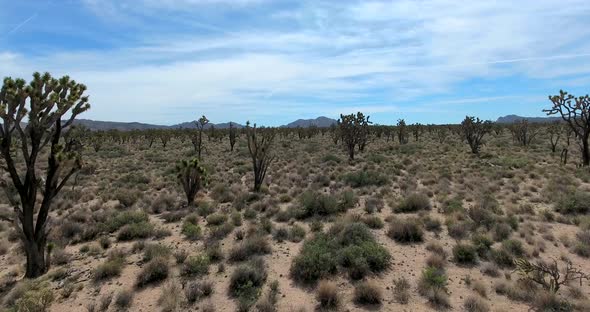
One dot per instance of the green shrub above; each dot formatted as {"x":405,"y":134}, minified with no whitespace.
{"x":577,"y":202}
{"x":191,"y":229}
{"x":432,"y":280}
{"x":216,"y":219}
{"x":151,"y":251}
{"x":247,"y":280}
{"x":413,"y":202}
{"x":315,"y":203}
{"x":252,"y":246}
{"x":195,"y":266}
{"x":482,"y":244}
{"x":350,"y":246}
{"x":124,"y":218}
{"x":365,"y":178}
{"x":110,"y":268}
{"x":315,"y":260}
{"x":133,"y":231}
{"x":465,"y":254}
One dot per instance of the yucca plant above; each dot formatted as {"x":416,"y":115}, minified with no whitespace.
{"x":192,"y":176}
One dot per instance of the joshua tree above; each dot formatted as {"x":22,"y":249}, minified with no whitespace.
{"x":44,"y":101}
{"x":260,"y":148}
{"x":554,"y":130}
{"x":575,"y":111}
{"x":441,"y":133}
{"x":335,"y":133}
{"x":165,"y":137}
{"x":192,"y":176}
{"x":417,"y":130}
{"x":522,"y":132}
{"x":402,"y":132}
{"x":354,"y":130}
{"x":474,"y":130}
{"x":197,"y":138}
{"x":232,"y":136}
{"x":548,"y":275}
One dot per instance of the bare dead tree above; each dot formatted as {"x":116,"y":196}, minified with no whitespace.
{"x":548,"y":275}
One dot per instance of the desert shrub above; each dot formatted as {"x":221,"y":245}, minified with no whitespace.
{"x":327,"y":295}
{"x":432,"y":285}
{"x":204,"y":208}
{"x":431,"y":224}
{"x":350,"y":246}
{"x":465,"y":254}
{"x":436,"y":261}
{"x":490,"y":269}
{"x":125,"y":218}
{"x":452,"y":205}
{"x":577,"y":202}
{"x":236,"y":218}
{"x":502,"y":258}
{"x":180,"y":256}
{"x":216,"y":219}
{"x":133,"y":231}
{"x":195,"y":266}
{"x":296,"y":233}
{"x":405,"y":231}
{"x":482,"y":244}
{"x":163,"y":202}
{"x":514,"y":247}
{"x":331,"y":158}
{"x":482,"y":217}
{"x":347,"y":199}
{"x":222,"y":193}
{"x":365,"y":178}
{"x":191,"y":228}
{"x":367,"y":293}
{"x":281,"y":234}
{"x":458,"y":229}
{"x":373,"y":204}
{"x":197,"y":290}
{"x":549,"y":302}
{"x":127,"y":197}
{"x":213,"y":251}
{"x":246,"y":281}
{"x":154,"y":271}
{"x":501,"y":231}
{"x":251,"y":246}
{"x":29,"y":296}
{"x":475,"y":304}
{"x":432,"y":279}
{"x":220,"y":231}
{"x":170,"y":298}
{"x":315,"y":203}
{"x":173,"y":216}
{"x":110,"y":268}
{"x":315,"y":260}
{"x":124,"y":299}
{"x":401,"y":290}
{"x":413,"y":202}
{"x":373,"y":222}
{"x":151,"y":251}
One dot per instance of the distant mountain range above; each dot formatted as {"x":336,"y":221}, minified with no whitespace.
{"x":127,"y":126}
{"x":319,"y":122}
{"x":513,"y":118}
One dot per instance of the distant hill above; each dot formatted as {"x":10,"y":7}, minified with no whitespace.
{"x":110,"y":125}
{"x":321,"y":122}
{"x":513,"y":118}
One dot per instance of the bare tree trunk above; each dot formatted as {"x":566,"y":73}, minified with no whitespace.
{"x":35,"y":251}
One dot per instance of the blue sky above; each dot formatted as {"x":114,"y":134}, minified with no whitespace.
{"x":428,"y":61}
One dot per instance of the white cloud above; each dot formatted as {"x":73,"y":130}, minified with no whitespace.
{"x":331,"y":53}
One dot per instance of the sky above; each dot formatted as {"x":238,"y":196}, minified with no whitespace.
{"x":271,"y":62}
